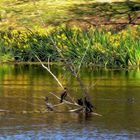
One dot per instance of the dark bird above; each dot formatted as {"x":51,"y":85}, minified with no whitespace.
{"x":63,"y":95}
{"x":89,"y":106}
{"x":86,"y":103}
{"x":48,"y":105}
{"x":46,"y":99}
{"x":131,"y":100}
{"x":80,"y":102}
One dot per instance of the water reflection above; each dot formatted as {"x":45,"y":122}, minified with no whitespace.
{"x":116,"y":96}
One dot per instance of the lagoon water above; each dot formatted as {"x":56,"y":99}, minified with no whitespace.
{"x":116,"y":96}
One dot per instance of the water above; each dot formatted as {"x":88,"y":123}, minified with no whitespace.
{"x":22,"y":90}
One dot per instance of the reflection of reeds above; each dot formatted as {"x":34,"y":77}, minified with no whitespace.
{"x":104,"y":48}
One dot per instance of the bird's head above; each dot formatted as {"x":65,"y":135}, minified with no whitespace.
{"x":65,"y":88}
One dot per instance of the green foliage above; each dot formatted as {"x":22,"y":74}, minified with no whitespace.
{"x":103,"y":47}
{"x":5,"y":53}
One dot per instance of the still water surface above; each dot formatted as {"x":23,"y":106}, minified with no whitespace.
{"x":22,"y":90}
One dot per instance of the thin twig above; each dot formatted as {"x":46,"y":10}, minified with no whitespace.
{"x":71,"y":99}
{"x":58,"y":104}
{"x":94,"y":84}
{"x":82,"y":60}
{"x":49,"y":63}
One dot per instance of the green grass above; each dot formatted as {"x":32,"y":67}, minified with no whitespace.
{"x":23,"y":13}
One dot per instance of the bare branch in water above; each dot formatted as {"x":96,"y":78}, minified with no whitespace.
{"x":50,"y":72}
{"x":97,"y":114}
{"x":48,"y":69}
{"x":77,"y":110}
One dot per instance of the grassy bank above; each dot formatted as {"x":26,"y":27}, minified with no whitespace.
{"x":104,"y":48}
{"x":19,"y":14}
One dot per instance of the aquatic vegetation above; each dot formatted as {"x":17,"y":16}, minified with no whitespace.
{"x":103,"y":48}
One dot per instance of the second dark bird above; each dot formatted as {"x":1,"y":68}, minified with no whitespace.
{"x":87,"y":104}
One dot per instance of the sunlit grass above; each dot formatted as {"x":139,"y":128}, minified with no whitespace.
{"x":26,"y":13}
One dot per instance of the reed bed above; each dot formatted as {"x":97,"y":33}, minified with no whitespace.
{"x":103,"y":48}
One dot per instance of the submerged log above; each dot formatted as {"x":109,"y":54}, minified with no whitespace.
{"x":3,"y":112}
{"x":84,"y":106}
{"x":77,"y":110}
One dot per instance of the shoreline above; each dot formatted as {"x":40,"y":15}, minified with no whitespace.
{"x":60,"y":64}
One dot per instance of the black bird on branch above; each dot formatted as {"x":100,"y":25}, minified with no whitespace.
{"x":80,"y":102}
{"x":84,"y":102}
{"x":63,"y":95}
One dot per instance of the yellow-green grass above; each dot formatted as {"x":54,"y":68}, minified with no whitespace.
{"x":31,"y":13}
{"x":16,"y":13}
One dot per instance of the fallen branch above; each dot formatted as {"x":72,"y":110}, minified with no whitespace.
{"x":97,"y":114}
{"x":77,"y":110}
{"x":67,"y":102}
{"x":3,"y":110}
